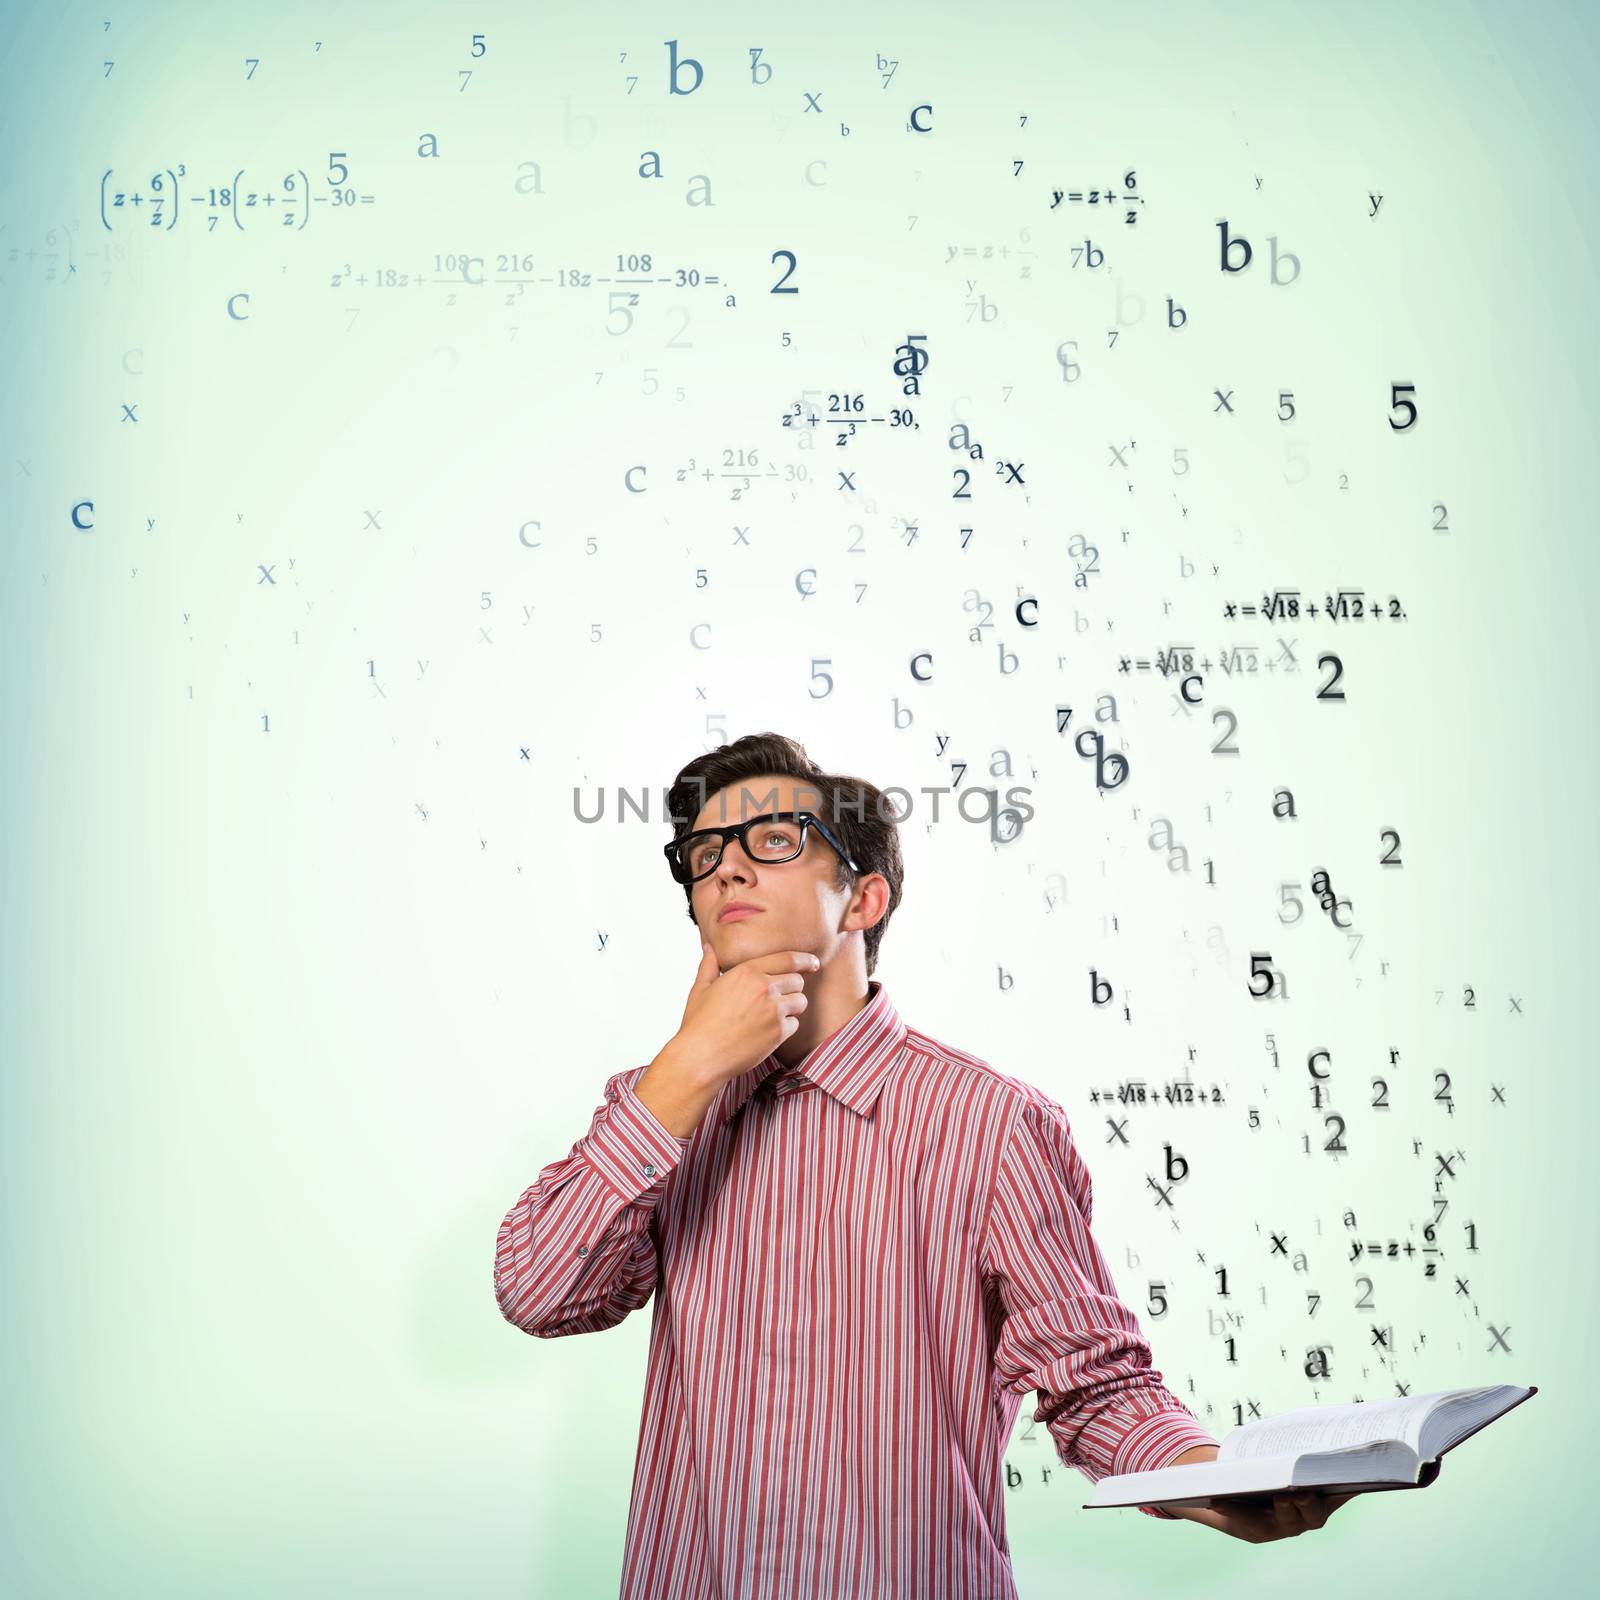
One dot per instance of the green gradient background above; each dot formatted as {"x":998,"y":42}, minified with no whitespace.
{"x":289,"y":1018}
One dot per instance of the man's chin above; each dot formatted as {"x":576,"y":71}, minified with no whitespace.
{"x":740,"y":937}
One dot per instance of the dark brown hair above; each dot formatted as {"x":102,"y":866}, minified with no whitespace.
{"x":866,"y":823}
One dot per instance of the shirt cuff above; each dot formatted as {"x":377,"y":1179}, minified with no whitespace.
{"x":630,"y":1148}
{"x":1155,"y":1442}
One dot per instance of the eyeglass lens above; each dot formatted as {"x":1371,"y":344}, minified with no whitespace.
{"x":766,"y":841}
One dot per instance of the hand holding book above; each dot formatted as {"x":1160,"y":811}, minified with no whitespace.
{"x":1246,"y":1518}
{"x":1296,"y":1468}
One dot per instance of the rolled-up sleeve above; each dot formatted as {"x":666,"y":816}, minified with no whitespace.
{"x":1066,"y":1334}
{"x":575,"y":1253}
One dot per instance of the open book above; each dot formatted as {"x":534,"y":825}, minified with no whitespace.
{"x":1377,"y":1444}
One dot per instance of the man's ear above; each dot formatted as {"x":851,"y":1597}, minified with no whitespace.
{"x":862,"y":901}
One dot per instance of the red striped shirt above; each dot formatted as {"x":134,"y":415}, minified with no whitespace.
{"x":860,"y":1265}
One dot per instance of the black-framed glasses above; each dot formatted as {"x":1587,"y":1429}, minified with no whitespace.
{"x":776,"y":836}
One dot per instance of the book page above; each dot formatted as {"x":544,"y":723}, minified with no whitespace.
{"x":1363,"y":1465}
{"x":1458,"y":1412}
{"x":1311,"y":1428}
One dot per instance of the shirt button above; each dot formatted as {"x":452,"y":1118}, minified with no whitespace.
{"x":583,"y":1249}
{"x":649,"y":1169}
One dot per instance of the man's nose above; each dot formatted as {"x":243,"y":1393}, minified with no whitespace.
{"x":734,"y":861}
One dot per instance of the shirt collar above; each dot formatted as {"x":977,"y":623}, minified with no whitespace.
{"x":851,"y":1064}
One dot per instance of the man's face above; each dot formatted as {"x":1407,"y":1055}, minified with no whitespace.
{"x":800,"y":907}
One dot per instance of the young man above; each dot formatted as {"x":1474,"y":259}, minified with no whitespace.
{"x":865,"y":1245}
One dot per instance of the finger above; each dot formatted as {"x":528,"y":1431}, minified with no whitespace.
{"x":1316,"y":1509}
{"x":786,"y":983}
{"x":1286,"y":1514}
{"x":788,"y":961}
{"x":1325,"y":1506}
